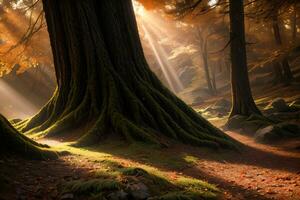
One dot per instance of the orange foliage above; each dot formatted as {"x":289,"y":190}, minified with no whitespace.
{"x":13,"y":26}
{"x":152,"y":4}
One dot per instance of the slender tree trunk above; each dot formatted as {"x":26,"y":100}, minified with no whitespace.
{"x":105,"y":83}
{"x":207,"y":74}
{"x":294,"y":29}
{"x":203,"y":46}
{"x":242,"y":100}
{"x":213,"y":80}
{"x":278,"y":75}
{"x":287,"y":73}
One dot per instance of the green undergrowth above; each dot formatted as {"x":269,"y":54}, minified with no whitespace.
{"x":132,"y":182}
{"x":120,"y":167}
{"x":168,"y":158}
{"x":14,"y":143}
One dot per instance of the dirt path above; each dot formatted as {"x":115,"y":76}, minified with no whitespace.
{"x":258,"y":172}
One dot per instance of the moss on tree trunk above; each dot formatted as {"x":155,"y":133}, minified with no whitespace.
{"x":104,"y":80}
{"x":12,"y":142}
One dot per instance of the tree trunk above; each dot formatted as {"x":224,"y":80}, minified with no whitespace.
{"x":104,"y":81}
{"x":242,"y":100}
{"x":213,"y":79}
{"x":207,"y":74}
{"x":294,"y":29}
{"x":278,"y":75}
{"x":12,"y":142}
{"x":287,"y":73}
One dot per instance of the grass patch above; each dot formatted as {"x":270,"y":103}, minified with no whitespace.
{"x":91,"y":187}
{"x":120,"y":167}
{"x":157,"y":187}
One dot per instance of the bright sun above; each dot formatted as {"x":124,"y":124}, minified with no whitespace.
{"x":138,"y":8}
{"x":212,"y":3}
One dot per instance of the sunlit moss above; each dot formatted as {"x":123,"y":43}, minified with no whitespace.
{"x":94,"y":186}
{"x":119,"y":172}
{"x":191,"y":159}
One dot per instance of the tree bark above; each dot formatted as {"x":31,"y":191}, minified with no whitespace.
{"x":14,"y":143}
{"x":242,"y":100}
{"x":104,"y":81}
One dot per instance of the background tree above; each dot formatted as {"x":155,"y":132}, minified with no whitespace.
{"x":202,"y":40}
{"x":242,"y":100}
{"x":271,"y":11}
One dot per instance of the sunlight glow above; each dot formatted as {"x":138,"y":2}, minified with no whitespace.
{"x":13,"y":104}
{"x":138,"y":8}
{"x":212,"y":3}
{"x":155,"y":32}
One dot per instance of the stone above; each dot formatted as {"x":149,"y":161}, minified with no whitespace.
{"x":119,"y":195}
{"x":67,"y":196}
{"x":139,"y":191}
{"x":280,"y":105}
{"x":223,"y":103}
{"x":294,"y":129}
{"x":274,"y":132}
{"x":267,"y":134}
{"x":250,"y":127}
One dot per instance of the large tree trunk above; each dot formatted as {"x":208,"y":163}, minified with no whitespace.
{"x":12,"y":142}
{"x":105,"y":82}
{"x":242,"y":100}
{"x":287,"y":73}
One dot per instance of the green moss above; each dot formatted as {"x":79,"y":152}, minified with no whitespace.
{"x":113,"y":178}
{"x":185,"y":196}
{"x":94,"y":186}
{"x":132,"y":171}
{"x":194,"y":184}
{"x":13,"y":142}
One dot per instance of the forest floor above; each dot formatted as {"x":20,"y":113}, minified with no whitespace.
{"x":257,"y":172}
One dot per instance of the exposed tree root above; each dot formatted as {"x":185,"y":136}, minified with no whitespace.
{"x":12,"y":142}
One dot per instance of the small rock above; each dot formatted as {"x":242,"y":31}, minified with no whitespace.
{"x":67,"y":196}
{"x":120,"y":195}
{"x":280,"y":105}
{"x":139,"y":191}
{"x":223,"y":103}
{"x":290,"y":127}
